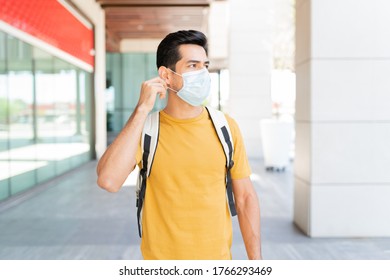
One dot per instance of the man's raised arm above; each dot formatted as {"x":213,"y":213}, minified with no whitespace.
{"x":119,"y":159}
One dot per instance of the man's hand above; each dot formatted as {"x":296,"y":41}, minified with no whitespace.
{"x":149,"y":91}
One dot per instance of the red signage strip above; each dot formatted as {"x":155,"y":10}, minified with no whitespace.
{"x":51,"y":22}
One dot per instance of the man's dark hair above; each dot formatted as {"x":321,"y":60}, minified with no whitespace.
{"x":168,"y":50}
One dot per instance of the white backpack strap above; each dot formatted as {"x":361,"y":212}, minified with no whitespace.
{"x":225,"y":136}
{"x":149,"y":139}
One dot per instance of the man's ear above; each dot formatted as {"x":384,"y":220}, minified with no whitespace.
{"x":163,"y":72}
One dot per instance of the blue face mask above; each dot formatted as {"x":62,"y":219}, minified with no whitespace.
{"x":196,"y":86}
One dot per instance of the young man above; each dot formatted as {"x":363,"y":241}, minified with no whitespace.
{"x":185,"y":213}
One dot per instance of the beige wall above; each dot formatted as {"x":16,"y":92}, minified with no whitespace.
{"x":342,"y":179}
{"x":139,"y":45}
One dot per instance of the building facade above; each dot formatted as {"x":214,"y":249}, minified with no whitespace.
{"x":47,"y":104}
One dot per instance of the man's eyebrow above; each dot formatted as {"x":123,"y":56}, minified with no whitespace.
{"x":198,"y":61}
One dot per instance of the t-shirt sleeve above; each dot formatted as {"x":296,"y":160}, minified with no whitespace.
{"x":241,"y":168}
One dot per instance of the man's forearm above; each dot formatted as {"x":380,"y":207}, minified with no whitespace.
{"x":119,"y":158}
{"x":248,"y":212}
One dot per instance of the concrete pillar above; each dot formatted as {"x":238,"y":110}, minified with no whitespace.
{"x":342,"y":178}
{"x":250,"y":66}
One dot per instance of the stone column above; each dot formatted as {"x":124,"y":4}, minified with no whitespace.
{"x":250,"y":66}
{"x":342,"y":163}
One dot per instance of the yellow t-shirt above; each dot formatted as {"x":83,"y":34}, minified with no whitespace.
{"x":185,"y":213}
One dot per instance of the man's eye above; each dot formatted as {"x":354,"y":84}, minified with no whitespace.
{"x":207,"y":66}
{"x":192,"y":65}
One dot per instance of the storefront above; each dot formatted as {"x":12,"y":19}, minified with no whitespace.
{"x":46,"y":92}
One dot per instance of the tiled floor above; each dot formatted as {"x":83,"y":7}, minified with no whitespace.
{"x":71,"y":218}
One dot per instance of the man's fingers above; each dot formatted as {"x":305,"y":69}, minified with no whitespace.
{"x":161,"y":90}
{"x":149,"y":91}
{"x":156,"y":83}
{"x":158,"y":80}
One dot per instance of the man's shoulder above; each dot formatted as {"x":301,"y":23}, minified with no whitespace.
{"x":231,"y":121}
{"x":227,"y":116}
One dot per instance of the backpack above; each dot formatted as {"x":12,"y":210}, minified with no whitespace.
{"x":149,"y":141}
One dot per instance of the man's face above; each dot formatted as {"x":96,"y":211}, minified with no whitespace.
{"x":193,"y":57}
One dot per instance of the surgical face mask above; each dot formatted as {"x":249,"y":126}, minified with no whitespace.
{"x":196,"y":86}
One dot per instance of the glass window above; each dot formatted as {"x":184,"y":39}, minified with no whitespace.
{"x":4,"y":166}
{"x":45,"y":116}
{"x":21,"y":116}
{"x":46,"y":136}
{"x":81,"y":138}
{"x":125,"y":73}
{"x":64,"y":99}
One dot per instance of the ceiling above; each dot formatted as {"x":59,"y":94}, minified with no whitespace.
{"x":151,"y":19}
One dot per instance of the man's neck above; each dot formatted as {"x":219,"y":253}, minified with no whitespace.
{"x":179,"y":109}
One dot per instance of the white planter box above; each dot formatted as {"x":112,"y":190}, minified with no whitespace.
{"x":276,"y":137}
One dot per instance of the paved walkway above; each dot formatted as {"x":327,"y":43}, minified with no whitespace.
{"x":71,"y":218}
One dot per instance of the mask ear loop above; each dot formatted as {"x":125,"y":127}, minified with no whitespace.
{"x":173,"y":89}
{"x":176,"y":74}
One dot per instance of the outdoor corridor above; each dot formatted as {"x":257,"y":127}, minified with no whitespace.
{"x":71,"y":218}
